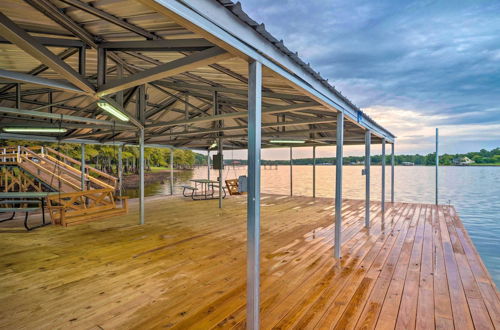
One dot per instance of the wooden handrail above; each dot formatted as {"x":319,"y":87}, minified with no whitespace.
{"x":89,"y":168}
{"x":78,"y":172}
{"x":49,"y":172}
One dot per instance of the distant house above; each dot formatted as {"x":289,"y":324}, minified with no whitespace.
{"x":463,"y":161}
{"x":407,"y":164}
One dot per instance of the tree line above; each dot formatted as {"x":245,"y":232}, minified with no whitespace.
{"x":483,"y":157}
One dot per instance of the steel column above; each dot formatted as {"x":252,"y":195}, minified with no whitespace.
{"x":82,"y":166}
{"x":253,"y":201}
{"x":368,"y":140}
{"x":219,"y":144}
{"x":437,"y":166}
{"x":392,"y":172}
{"x":120,"y":169}
{"x":291,"y":171}
{"x":314,"y":171}
{"x":383,"y":176}
{"x":171,"y":171}
{"x":338,"y":184}
{"x":141,"y":176}
{"x":208,"y":164}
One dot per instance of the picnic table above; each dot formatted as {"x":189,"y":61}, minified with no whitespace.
{"x":11,"y":199}
{"x":203,"y":189}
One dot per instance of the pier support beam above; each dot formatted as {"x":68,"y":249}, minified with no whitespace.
{"x":171,"y":171}
{"x":368,"y":140}
{"x":141,"y":176}
{"x":253,"y":201}
{"x":392,"y":172}
{"x":82,"y":166}
{"x":291,"y":171}
{"x":437,"y":166}
{"x":314,"y":171}
{"x":383,"y":176}
{"x":338,"y":184}
{"x":219,"y":145}
{"x":208,"y":164}
{"x":120,"y":169}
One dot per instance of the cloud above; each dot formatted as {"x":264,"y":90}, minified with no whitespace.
{"x":436,"y":63}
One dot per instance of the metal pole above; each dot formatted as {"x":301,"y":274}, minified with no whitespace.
{"x":120,"y":169}
{"x":314,"y":171}
{"x":253,"y":201}
{"x":171,"y":171}
{"x":291,"y":171}
{"x":338,"y":184}
{"x":141,"y":176}
{"x":392,"y":172}
{"x":219,"y":146}
{"x":383,"y":176}
{"x":437,"y":166}
{"x":368,"y":141}
{"x":82,"y":166}
{"x":208,"y":163}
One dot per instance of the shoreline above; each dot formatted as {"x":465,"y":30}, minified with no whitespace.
{"x":131,"y":181}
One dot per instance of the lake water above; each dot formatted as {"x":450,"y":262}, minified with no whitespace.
{"x":474,"y":191}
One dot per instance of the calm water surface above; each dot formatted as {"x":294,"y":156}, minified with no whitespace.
{"x":474,"y":191}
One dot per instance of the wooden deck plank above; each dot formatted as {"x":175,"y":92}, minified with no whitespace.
{"x":415,"y":267}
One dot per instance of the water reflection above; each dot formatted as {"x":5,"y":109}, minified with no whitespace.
{"x":474,"y":191}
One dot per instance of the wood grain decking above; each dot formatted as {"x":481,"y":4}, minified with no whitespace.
{"x":415,"y":268}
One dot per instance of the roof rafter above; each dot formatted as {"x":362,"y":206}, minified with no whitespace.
{"x":30,"y":45}
{"x":172,"y":68}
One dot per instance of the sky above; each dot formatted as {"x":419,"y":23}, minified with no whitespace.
{"x":410,"y":65}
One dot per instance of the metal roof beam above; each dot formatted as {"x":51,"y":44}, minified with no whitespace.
{"x":55,"y":14}
{"x":53,"y":42}
{"x":57,"y":116}
{"x":187,"y":87}
{"x":174,"y":45}
{"x":172,"y":68}
{"x":270,"y":110}
{"x":30,"y":79}
{"x":41,"y":68}
{"x":30,"y":45}
{"x":110,"y":18}
{"x":266,"y":125}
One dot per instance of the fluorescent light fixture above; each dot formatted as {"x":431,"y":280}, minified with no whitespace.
{"x":288,"y":141}
{"x":111,"y":109}
{"x":34,"y":130}
{"x":214,"y":145}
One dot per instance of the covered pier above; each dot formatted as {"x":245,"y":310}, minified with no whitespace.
{"x":200,"y":75}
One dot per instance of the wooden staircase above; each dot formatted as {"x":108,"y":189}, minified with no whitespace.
{"x":45,"y":169}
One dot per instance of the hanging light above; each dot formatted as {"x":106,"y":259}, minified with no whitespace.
{"x":34,"y":130}
{"x":214,"y":145}
{"x":287,"y":141}
{"x":111,"y":109}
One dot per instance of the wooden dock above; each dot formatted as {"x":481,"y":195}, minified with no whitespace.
{"x":186,"y":268}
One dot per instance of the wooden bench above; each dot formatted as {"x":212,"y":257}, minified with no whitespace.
{"x":21,"y":205}
{"x":79,"y":207}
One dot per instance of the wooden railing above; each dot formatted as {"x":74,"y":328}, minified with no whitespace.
{"x":91,"y":171}
{"x":57,"y":164}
